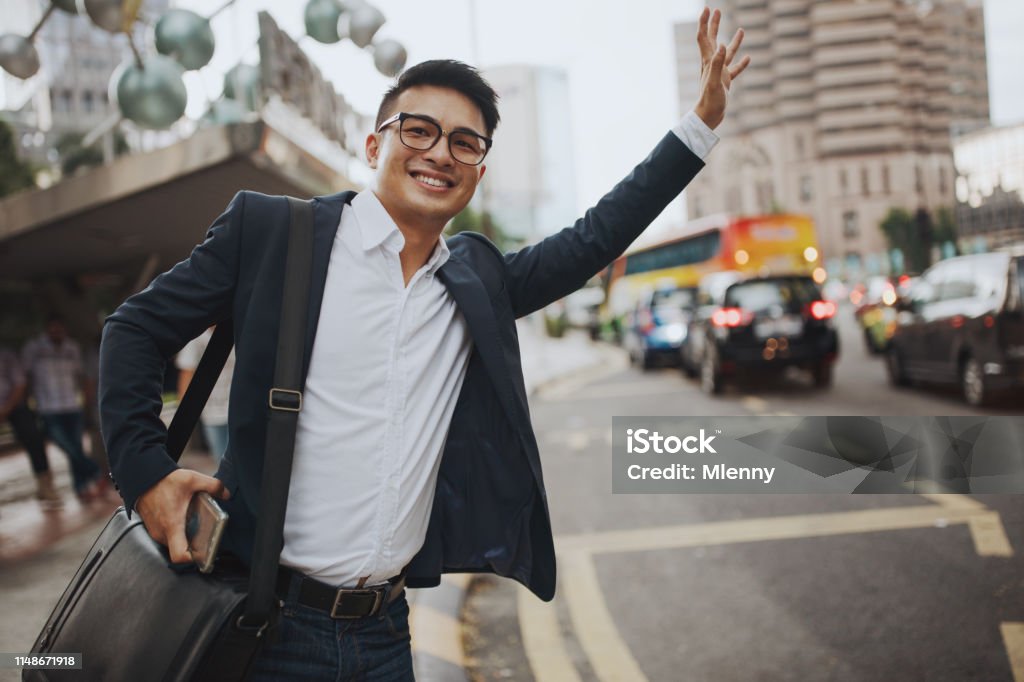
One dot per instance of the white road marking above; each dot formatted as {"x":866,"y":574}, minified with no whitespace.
{"x":436,"y":633}
{"x":542,"y":640}
{"x":609,"y":656}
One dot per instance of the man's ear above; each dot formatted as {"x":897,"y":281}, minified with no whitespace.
{"x":372,"y":149}
{"x":483,"y":169}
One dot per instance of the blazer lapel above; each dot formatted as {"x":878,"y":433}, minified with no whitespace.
{"x":471,"y":297}
{"x":326,"y":218}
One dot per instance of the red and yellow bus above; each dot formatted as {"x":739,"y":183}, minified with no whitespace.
{"x":754,"y":245}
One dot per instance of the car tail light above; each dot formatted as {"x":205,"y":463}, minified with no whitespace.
{"x":822,"y":310}
{"x":646,"y":320}
{"x":730,"y":317}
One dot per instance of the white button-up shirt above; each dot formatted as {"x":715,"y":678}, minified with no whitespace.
{"x":387,"y":366}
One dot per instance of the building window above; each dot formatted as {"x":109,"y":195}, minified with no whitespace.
{"x":805,"y":188}
{"x":800,"y":151}
{"x":918,"y":179}
{"x":842,"y":181}
{"x":850,"y":229}
{"x":865,"y":187}
{"x":942,"y":181}
{"x":87,"y":101}
{"x":886,"y":187}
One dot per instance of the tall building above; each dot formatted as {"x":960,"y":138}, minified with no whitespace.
{"x":530,"y":185}
{"x":847,"y":110}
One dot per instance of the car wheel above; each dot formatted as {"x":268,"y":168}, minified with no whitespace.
{"x":688,"y":369}
{"x":972,"y":383}
{"x":646,"y":360}
{"x":822,"y":373}
{"x":896,"y":369}
{"x":710,"y":378}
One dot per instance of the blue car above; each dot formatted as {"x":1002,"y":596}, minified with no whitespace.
{"x":656,"y":328}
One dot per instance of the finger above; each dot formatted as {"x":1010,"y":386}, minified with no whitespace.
{"x":177,"y":545}
{"x":734,"y":46}
{"x":716,"y":19}
{"x":738,"y":69}
{"x":212,"y":485}
{"x":702,"y":35}
{"x":716,"y":65}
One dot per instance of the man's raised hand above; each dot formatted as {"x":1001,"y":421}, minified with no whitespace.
{"x":717,"y":71}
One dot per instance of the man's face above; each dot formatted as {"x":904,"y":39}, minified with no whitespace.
{"x":56,"y":331}
{"x":401,"y":171}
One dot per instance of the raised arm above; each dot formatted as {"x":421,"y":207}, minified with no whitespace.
{"x":556,"y":266}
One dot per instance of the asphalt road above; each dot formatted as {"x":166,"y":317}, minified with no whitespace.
{"x":756,"y":587}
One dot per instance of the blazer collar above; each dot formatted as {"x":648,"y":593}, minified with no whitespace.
{"x":326,"y":218}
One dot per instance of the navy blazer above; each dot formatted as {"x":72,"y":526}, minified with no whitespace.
{"x":490,"y":509}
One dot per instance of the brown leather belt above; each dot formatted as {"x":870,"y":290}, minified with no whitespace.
{"x":343,"y":602}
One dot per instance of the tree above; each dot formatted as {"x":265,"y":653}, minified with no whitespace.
{"x":945,"y":227}
{"x":15,"y":174}
{"x":911,"y":234}
{"x":482,"y":222}
{"x":74,"y":156}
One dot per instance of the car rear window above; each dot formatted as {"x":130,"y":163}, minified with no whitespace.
{"x":792,"y":294}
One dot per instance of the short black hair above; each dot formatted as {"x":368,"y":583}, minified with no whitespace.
{"x":445,"y":73}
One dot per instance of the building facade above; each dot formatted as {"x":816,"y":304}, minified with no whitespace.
{"x":990,"y":187}
{"x":530,"y":185}
{"x":847,"y":110}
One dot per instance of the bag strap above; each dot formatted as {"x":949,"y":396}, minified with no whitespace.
{"x":191,"y":405}
{"x":285,"y":401}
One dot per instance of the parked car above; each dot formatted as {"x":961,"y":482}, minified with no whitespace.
{"x":767,"y":324}
{"x":877,"y":315}
{"x":963,"y":324}
{"x":657,"y":326}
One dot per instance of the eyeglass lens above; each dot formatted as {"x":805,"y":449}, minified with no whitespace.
{"x":422,"y":134}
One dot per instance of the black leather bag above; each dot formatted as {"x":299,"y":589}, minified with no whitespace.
{"x":127,"y":611}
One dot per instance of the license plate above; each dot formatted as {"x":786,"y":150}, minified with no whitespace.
{"x":790,"y":326}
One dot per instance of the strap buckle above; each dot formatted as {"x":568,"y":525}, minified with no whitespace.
{"x":285,"y":399}
{"x":379,"y":594}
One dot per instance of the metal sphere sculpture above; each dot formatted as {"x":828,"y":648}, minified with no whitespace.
{"x":152,"y":94}
{"x":364,"y":24}
{"x":321,"y":19}
{"x":18,"y":56}
{"x":389,"y":57}
{"x":186,"y":37}
{"x":242,"y":84}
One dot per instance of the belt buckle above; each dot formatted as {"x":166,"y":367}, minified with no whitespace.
{"x":379,"y":595}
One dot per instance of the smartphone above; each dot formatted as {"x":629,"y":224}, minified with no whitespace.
{"x":204,"y":528}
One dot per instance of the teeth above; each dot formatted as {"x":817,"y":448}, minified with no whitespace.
{"x":431,"y":181}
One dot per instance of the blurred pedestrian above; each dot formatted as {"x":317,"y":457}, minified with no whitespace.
{"x":15,"y":411}
{"x":214,"y":420}
{"x":414,"y":454}
{"x":53,"y":363}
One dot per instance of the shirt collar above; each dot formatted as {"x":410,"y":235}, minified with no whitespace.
{"x":377,"y":228}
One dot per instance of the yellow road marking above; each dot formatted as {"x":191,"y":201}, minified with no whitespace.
{"x":753,"y":403}
{"x":608,"y":654}
{"x":436,"y":633}
{"x":542,"y":640}
{"x":1013,"y":638}
{"x":789,"y":527}
{"x":989,"y":535}
{"x":953,"y":500}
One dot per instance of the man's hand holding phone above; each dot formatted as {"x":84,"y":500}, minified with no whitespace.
{"x":164,"y":508}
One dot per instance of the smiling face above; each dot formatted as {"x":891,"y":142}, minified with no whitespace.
{"x":423,"y":190}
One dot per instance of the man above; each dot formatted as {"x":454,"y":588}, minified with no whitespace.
{"x":54,"y":365}
{"x":14,"y":410}
{"x":414,"y":454}
{"x":214,"y":419}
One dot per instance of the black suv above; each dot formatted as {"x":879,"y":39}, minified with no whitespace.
{"x":963,"y":324}
{"x":769,"y":323}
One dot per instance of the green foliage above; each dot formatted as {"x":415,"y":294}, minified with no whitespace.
{"x":15,"y":174}
{"x":482,"y":222}
{"x":74,"y":156}
{"x":915,"y":234}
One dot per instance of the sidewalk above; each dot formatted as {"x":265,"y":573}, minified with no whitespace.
{"x":40,"y":551}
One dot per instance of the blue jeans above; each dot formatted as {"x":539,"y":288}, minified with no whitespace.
{"x":216,"y":436}
{"x":65,"y":429}
{"x":311,"y":645}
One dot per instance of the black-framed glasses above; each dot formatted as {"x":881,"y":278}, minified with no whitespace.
{"x":422,"y":133}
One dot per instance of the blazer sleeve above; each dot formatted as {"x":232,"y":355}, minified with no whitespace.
{"x":562,"y":263}
{"x":143,"y":334}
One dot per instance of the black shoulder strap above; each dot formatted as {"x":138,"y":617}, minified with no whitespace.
{"x":191,"y":405}
{"x":285,"y":402}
